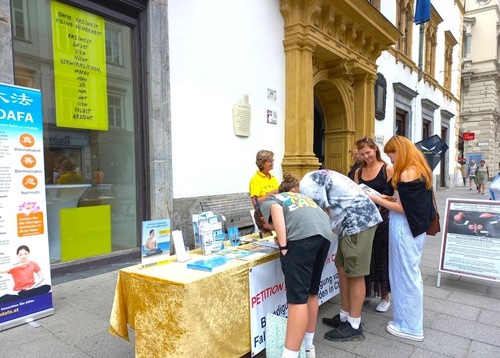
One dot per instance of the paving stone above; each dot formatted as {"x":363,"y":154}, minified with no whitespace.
{"x":476,"y":300}
{"x":483,"y":350}
{"x":451,"y":308}
{"x":489,"y":317}
{"x":467,"y":329}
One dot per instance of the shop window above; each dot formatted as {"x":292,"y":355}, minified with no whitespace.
{"x":113,"y":46}
{"x":88,"y":122}
{"x":20,"y":23}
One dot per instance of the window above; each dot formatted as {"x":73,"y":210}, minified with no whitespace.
{"x":405,"y":25}
{"x":113,"y":46}
{"x":401,"y":122}
{"x":426,"y":129}
{"x":431,"y":42}
{"x":428,"y":110}
{"x":450,"y":42}
{"x":115,"y":111}
{"x":100,"y":137}
{"x":403,"y":104}
{"x":380,"y":96}
{"x":467,"y":43}
{"x":375,"y":3}
{"x":20,"y":23}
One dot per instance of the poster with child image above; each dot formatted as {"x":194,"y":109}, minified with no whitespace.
{"x":155,"y":241}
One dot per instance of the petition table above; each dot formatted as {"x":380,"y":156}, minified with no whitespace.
{"x":181,"y":312}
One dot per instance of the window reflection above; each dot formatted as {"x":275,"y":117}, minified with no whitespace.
{"x":101,"y":161}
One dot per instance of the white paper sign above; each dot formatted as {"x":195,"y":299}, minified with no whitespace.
{"x":180,"y":249}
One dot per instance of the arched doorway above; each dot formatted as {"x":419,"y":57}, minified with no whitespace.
{"x":331,"y":47}
{"x":319,"y":133}
{"x":337,"y":133}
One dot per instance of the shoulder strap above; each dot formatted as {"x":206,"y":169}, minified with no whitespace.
{"x":434,"y":201}
{"x":384,"y":171}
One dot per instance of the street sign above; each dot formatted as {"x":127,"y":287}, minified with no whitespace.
{"x":468,"y":136}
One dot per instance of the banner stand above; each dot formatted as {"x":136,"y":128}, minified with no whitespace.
{"x":25,"y":282}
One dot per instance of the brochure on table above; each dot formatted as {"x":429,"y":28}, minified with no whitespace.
{"x":155,"y":241}
{"x":209,"y":264}
{"x":23,"y":210}
{"x":208,"y":232}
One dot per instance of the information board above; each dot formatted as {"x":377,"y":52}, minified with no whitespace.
{"x":471,"y":239}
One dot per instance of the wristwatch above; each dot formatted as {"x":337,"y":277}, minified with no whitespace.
{"x":283,"y":247}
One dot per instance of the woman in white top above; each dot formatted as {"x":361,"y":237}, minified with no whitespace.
{"x":472,"y":173}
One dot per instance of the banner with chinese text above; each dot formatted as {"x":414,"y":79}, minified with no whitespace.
{"x":25,"y":282}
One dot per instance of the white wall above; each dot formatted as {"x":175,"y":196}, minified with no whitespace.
{"x":214,"y":61}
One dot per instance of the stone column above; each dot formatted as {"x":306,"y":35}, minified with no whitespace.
{"x":299,"y":157}
{"x":160,"y":134}
{"x":364,"y":102}
{"x":6,"y":55}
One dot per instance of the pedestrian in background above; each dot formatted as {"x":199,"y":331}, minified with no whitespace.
{"x":411,"y":209}
{"x":358,"y":160}
{"x":482,"y":176}
{"x":463,"y":171}
{"x":472,"y":173}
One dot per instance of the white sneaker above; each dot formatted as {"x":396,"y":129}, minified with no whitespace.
{"x":311,"y":352}
{"x":396,"y":332}
{"x":383,"y":306}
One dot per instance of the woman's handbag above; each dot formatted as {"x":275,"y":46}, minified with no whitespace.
{"x":434,"y":226}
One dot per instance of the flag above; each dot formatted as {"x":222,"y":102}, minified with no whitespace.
{"x":422,"y":11}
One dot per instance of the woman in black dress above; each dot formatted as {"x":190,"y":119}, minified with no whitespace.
{"x":376,"y":174}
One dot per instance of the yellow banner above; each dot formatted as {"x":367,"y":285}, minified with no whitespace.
{"x":79,"y":68}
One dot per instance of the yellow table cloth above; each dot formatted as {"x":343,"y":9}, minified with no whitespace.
{"x":180,"y":312}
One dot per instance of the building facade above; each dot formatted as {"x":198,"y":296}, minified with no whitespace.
{"x":193,"y":89}
{"x":422,"y":78}
{"x":480,"y":114}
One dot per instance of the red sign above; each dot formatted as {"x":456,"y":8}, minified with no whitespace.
{"x":468,"y":136}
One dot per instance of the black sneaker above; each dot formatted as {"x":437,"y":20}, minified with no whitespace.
{"x":332,"y":322}
{"x":345,"y":333}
